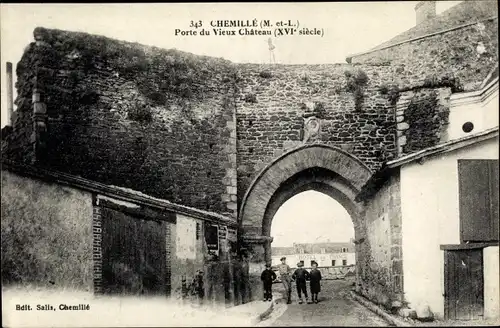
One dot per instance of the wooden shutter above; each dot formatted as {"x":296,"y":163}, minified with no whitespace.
{"x":478,"y":192}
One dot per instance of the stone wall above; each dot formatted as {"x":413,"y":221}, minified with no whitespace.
{"x":158,"y":121}
{"x":46,"y":234}
{"x":453,"y":53}
{"x":275,"y":102}
{"x":380,"y":258}
{"x":196,"y":130}
{"x":17,"y":141}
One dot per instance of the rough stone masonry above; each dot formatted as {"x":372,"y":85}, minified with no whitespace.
{"x":198,"y":130}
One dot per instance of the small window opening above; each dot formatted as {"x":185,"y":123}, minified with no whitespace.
{"x":198,"y":230}
{"x":467,"y":127}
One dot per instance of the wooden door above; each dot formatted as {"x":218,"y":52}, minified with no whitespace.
{"x":134,"y":255}
{"x":464,"y":289}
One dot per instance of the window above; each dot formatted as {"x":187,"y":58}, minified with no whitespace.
{"x":467,"y":127}
{"x":301,"y":251}
{"x":478,"y":200}
{"x":212,"y":237}
{"x":198,"y":230}
{"x":323,"y":251}
{"x":344,"y":262}
{"x":344,"y":249}
{"x":333,"y":262}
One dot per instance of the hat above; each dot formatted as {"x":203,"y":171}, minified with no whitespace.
{"x":314,"y":262}
{"x":283,"y":258}
{"x":300,"y":264}
{"x":268,"y":265}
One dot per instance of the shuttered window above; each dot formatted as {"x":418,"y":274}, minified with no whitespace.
{"x":478,"y":192}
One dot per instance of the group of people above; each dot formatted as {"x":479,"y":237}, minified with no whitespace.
{"x":300,"y":276}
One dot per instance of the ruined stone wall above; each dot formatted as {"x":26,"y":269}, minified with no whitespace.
{"x":17,"y":140}
{"x":274,"y":101}
{"x":196,"y":130}
{"x":453,"y":54}
{"x":157,"y":121}
{"x":380,"y":258}
{"x":46,"y":234}
{"x":426,"y":71}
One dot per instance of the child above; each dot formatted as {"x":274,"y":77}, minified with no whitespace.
{"x":267,"y":277}
{"x":300,"y":276}
{"x":315,"y":277}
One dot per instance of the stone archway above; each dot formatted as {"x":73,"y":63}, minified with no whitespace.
{"x":309,"y":167}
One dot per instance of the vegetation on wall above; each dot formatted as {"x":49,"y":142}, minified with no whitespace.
{"x":140,"y":112}
{"x":160,"y":75}
{"x":426,"y":119}
{"x":393,"y":91}
{"x":266,"y":74}
{"x":250,"y":98}
{"x":356,"y":81}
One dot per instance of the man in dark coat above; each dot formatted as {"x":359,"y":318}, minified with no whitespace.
{"x":301,"y":276}
{"x":315,"y":277}
{"x":267,"y":277}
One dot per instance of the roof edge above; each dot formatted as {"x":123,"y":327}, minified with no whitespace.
{"x":488,"y":77}
{"x":377,"y":179}
{"x":476,"y":96}
{"x":112,"y":191}
{"x":445,"y":147}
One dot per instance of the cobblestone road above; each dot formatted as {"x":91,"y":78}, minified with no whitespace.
{"x":335,"y":308}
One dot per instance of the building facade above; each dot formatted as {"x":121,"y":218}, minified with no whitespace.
{"x":447,"y":198}
{"x":63,"y":231}
{"x":328,"y":254}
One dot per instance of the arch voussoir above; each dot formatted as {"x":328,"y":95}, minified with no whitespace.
{"x":257,"y":197}
{"x":341,"y":176}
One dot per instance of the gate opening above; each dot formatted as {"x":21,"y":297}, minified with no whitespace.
{"x":312,"y":226}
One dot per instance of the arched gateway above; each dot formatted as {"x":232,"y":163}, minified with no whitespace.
{"x":317,"y":167}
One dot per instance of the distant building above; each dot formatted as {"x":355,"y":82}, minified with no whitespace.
{"x":325,"y":254}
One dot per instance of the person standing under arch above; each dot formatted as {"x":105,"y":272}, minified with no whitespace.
{"x":286,"y":279}
{"x":268,"y":276}
{"x":301,"y":276}
{"x":314,"y":278}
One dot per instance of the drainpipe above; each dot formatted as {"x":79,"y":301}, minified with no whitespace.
{"x":10,"y":96}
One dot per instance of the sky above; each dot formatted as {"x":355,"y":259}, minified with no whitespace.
{"x":347,"y":28}
{"x":311,"y":217}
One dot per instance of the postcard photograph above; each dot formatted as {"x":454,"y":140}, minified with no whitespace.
{"x":250,"y":164}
